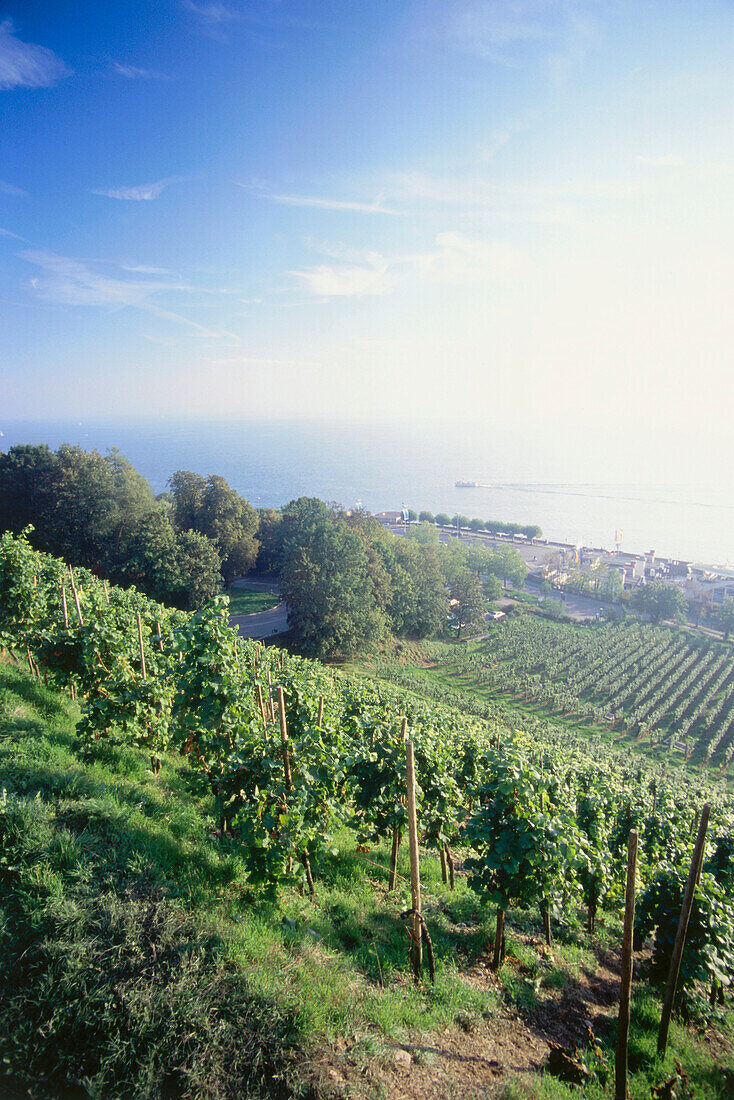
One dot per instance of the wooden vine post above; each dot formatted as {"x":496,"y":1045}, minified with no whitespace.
{"x":320,"y":718}
{"x":415,"y":881}
{"x":623,"y":1026}
{"x":140,"y":645}
{"x":158,"y":632}
{"x":499,"y":938}
{"x":680,"y":939}
{"x":76,"y":598}
{"x":289,"y":780}
{"x":261,"y":704}
{"x":64,"y":608}
{"x":393,"y":876}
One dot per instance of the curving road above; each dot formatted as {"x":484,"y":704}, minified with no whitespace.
{"x":261,"y":624}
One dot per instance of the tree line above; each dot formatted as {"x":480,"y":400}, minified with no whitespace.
{"x":100,"y":512}
{"x":348,"y":581}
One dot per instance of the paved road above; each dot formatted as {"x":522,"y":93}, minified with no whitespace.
{"x":262,"y":624}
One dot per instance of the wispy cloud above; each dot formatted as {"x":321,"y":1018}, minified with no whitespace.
{"x":136,"y":72}
{"x":15,"y":236}
{"x":516,"y":33}
{"x":215,"y":13}
{"x":318,"y":203}
{"x":346,"y":280}
{"x":668,"y":160}
{"x":67,"y":281}
{"x":454,"y":258}
{"x":24,"y":65}
{"x":212,"y":18}
{"x":144,"y":193}
{"x":11,"y":189}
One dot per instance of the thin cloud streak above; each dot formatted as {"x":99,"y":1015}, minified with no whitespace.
{"x":70,"y":282}
{"x":10,"y":189}
{"x":25,"y":65}
{"x":144,"y":193}
{"x":15,"y":236}
{"x":136,"y":72}
{"x":375,"y":207}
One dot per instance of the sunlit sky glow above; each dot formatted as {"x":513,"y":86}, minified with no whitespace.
{"x":318,"y":208}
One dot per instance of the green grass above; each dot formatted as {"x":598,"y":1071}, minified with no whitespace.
{"x":246,"y":601}
{"x":135,"y":955}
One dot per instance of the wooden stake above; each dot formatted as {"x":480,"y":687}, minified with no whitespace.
{"x":140,"y":643}
{"x":64,"y":607}
{"x":321,"y":711}
{"x":270,"y":698}
{"x":76,"y":598}
{"x":623,"y":1025}
{"x":284,"y":739}
{"x":158,"y":632}
{"x":261,"y":704}
{"x":415,"y":882}
{"x":499,"y":935}
{"x":106,"y":592}
{"x":680,"y":938}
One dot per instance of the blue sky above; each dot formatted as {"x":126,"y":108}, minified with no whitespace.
{"x":517,"y":209}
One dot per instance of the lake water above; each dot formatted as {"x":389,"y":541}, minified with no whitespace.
{"x":577,"y":490}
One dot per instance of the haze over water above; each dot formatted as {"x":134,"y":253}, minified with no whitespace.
{"x":578,"y":489}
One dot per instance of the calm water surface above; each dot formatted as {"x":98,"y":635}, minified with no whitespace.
{"x":576,"y":491}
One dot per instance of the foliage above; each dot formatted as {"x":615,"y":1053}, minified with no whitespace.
{"x":659,"y":600}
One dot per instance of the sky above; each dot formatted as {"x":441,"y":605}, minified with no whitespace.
{"x":496,"y":210}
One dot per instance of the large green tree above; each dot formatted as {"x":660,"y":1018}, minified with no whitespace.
{"x":327,"y":582}
{"x":467,"y":601}
{"x":211,"y":507}
{"x":659,"y":600}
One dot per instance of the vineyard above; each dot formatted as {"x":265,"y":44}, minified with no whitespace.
{"x":293,"y":754}
{"x":656,"y":684}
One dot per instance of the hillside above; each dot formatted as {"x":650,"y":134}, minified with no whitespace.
{"x":196,"y":865}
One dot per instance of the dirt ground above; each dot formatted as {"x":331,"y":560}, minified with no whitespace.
{"x":480,"y":1058}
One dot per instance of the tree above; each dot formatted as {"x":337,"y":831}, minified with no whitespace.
{"x":269,"y":535}
{"x":326,"y":581}
{"x":443,"y":520}
{"x":82,"y":522}
{"x":659,"y":600}
{"x":187,"y":490}
{"x":232,"y":523}
{"x":133,"y":498}
{"x":725,"y":617}
{"x":198,"y":565}
{"x":27,"y":477}
{"x":476,"y":524}
{"x":508,"y":564}
{"x":467,"y":601}
{"x":426,"y":517}
{"x":151,"y":561}
{"x":611,"y":585}
{"x":459,"y":521}
{"x":425,"y":533}
{"x":212,"y":508}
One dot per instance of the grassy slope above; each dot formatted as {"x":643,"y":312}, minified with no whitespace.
{"x":136,"y":961}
